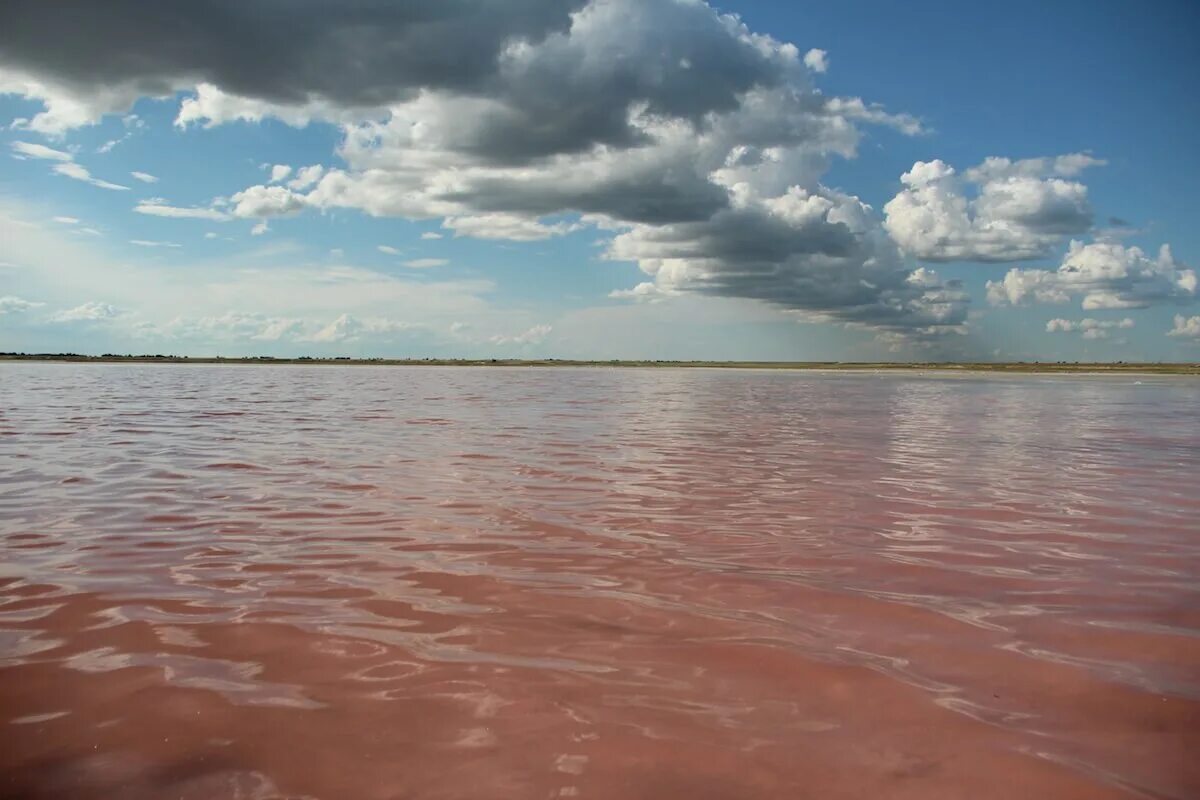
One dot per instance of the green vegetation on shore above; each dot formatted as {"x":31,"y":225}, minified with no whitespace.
{"x":945,"y":366}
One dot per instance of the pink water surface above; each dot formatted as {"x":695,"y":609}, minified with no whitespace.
{"x":373,"y":582}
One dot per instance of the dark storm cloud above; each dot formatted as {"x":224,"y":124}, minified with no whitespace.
{"x":349,"y":52}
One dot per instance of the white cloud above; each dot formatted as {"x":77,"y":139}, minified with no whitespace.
{"x":88,"y":312}
{"x":32,"y":150}
{"x":1088,"y":327}
{"x":267,"y":201}
{"x":72,"y":170}
{"x":144,"y":177}
{"x":306,"y":177}
{"x":67,"y":220}
{"x":280,"y":172}
{"x":426,"y":263}
{"x":67,"y":107}
{"x":1104,"y":275}
{"x":644,"y":292}
{"x":386,"y":248}
{"x":66,"y":166}
{"x":535,"y":335}
{"x":158,"y":208}
{"x":260,"y":228}
{"x":11,"y":304}
{"x":211,"y":235}
{"x":90,"y":231}
{"x":816,"y":60}
{"x":510,"y":227}
{"x":1022,"y":209}
{"x":431,"y":235}
{"x":348,"y":328}
{"x":1185,"y":327}
{"x":149,"y":243}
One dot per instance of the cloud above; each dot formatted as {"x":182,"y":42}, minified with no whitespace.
{"x":149,"y":243}
{"x":816,"y":60}
{"x":1020,"y":209}
{"x":66,"y":165}
{"x":388,"y":249}
{"x":279,"y":172}
{"x":232,"y":326}
{"x":158,"y":208}
{"x":644,"y":292}
{"x":333,"y":55}
{"x":67,"y":220}
{"x":10,"y":304}
{"x":72,"y":170}
{"x":509,"y":227}
{"x":698,"y":143}
{"x":1104,"y":275}
{"x":31,"y":150}
{"x":347,"y":328}
{"x":1090,"y":328}
{"x":306,"y":177}
{"x":144,"y":177}
{"x":425,"y":263}
{"x":267,"y":201}
{"x":1185,"y":327}
{"x":535,"y":335}
{"x":88,"y":312}
{"x":431,"y":235}
{"x":260,"y":228}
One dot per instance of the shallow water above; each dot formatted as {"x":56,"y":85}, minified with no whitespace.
{"x":358,"y":582}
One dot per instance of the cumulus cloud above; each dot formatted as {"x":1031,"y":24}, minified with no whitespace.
{"x":1184,"y":328}
{"x":1104,"y":275}
{"x":11,"y":304}
{"x":88,"y":312}
{"x":535,"y":335}
{"x":232,"y":326}
{"x":388,"y":250}
{"x":279,"y":172}
{"x":1088,"y":327}
{"x":431,"y":235}
{"x":347,"y":328}
{"x":644,"y":292}
{"x":339,"y":55}
{"x":1000,"y":210}
{"x":698,"y":143}
{"x":144,"y":177}
{"x":306,"y":177}
{"x":158,"y":208}
{"x":267,"y":201}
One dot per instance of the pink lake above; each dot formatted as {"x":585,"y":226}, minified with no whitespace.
{"x":350,"y":583}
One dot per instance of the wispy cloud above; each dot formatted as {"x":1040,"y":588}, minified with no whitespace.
{"x":77,"y":172}
{"x":157,"y":208}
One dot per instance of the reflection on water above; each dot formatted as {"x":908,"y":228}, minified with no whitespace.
{"x":330,"y":582}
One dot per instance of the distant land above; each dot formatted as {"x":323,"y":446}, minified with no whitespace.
{"x":1157,"y":368}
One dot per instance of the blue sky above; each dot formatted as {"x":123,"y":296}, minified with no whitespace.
{"x":627,"y":180}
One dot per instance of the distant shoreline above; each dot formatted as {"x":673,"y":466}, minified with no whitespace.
{"x":1003,"y":367}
